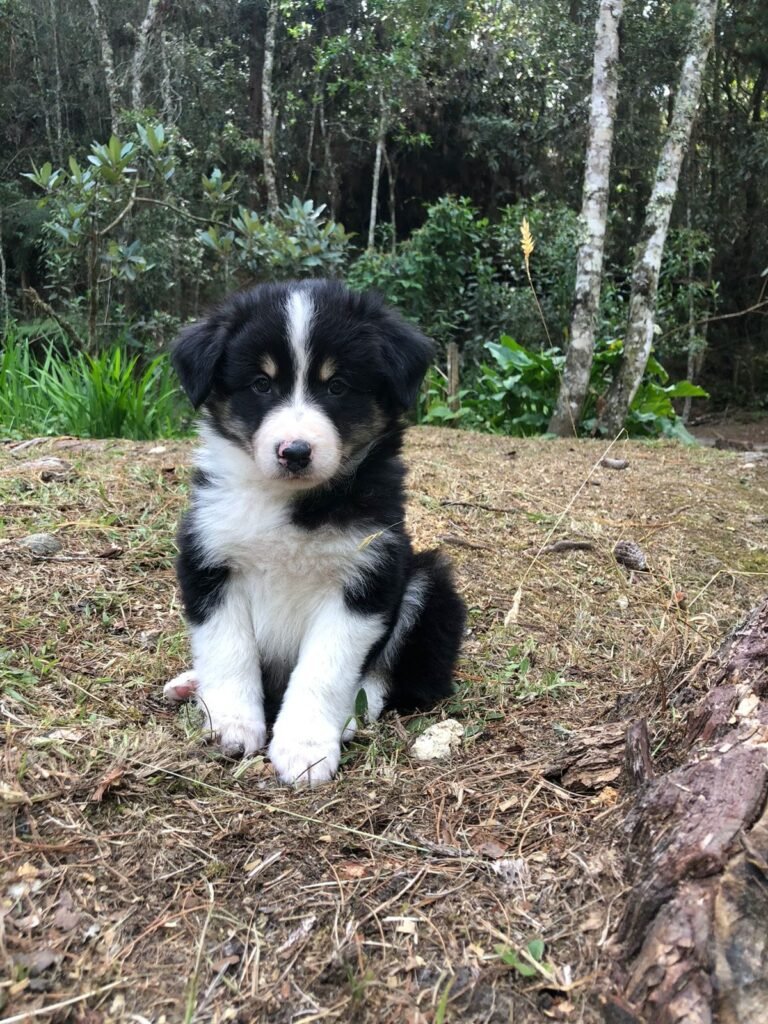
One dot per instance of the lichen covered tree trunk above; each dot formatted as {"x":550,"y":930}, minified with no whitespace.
{"x":107,"y":65}
{"x":381,"y":135}
{"x":140,"y":53}
{"x":645,"y":273}
{"x":594,"y":212}
{"x":267,"y":114}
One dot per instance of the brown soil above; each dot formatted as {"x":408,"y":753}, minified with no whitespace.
{"x":143,"y":876}
{"x":749,"y":430}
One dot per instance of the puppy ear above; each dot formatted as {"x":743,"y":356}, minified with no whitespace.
{"x":195,"y":357}
{"x":406,"y":356}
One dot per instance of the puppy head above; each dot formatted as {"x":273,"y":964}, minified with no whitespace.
{"x":302,"y":376}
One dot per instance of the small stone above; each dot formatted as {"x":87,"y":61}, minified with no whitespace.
{"x":630,"y":555}
{"x":438,"y":741}
{"x":42,"y":545}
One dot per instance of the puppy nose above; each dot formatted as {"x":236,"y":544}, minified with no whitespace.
{"x":294,"y":454}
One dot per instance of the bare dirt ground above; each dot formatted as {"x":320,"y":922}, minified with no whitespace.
{"x":144,"y":877}
{"x":751,"y":431}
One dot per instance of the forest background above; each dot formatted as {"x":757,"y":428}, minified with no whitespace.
{"x":156,"y":153}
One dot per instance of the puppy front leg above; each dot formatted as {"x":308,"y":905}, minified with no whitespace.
{"x":306,"y":740}
{"x":226,"y":667}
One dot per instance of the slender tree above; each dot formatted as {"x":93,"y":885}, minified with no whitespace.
{"x":107,"y":65}
{"x":140,"y":52}
{"x":267,"y":116}
{"x":381,"y":136}
{"x":645,"y":273}
{"x":594,"y":212}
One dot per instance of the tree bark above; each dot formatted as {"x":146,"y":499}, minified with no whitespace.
{"x":5,"y":308}
{"x":381,"y":136}
{"x":140,"y":53}
{"x":594,"y":212}
{"x":166,"y":92}
{"x":693,"y":941}
{"x":57,"y":77}
{"x":645,"y":274}
{"x":107,"y":66}
{"x":267,"y":118}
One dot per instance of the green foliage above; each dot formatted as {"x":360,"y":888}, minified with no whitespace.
{"x":515,"y":393}
{"x":108,"y":395}
{"x":528,"y":961}
{"x":556,"y":230}
{"x":651,"y":413}
{"x":298,"y":242}
{"x":444,"y":276}
{"x":106,"y":226}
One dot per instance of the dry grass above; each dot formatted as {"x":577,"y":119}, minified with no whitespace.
{"x":144,"y":877}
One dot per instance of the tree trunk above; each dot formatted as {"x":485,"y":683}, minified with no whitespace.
{"x":166,"y":92}
{"x":140,"y":53}
{"x":454,"y":401}
{"x":329,"y":164}
{"x":5,"y":309}
{"x":380,"y":140}
{"x":41,"y":86}
{"x":693,"y":941}
{"x":392,"y":179}
{"x":594,"y":212}
{"x":107,"y":66}
{"x":58,"y":90}
{"x":267,"y":116}
{"x":645,"y":274}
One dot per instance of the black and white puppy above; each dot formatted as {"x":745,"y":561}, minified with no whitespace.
{"x":299,"y":580}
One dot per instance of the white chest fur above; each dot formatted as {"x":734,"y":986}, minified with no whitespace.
{"x":282,"y":573}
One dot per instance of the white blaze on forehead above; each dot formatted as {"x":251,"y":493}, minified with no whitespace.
{"x":300,"y":310}
{"x":297,"y":417}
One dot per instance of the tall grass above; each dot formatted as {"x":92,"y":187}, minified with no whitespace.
{"x":108,"y":395}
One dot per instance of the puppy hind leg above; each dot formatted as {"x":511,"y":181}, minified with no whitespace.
{"x":422,"y":666}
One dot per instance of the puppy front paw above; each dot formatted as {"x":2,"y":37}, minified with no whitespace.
{"x":303,"y":760}
{"x":238,"y":736}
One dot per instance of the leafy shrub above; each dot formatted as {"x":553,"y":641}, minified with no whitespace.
{"x":515,"y":393}
{"x":108,"y":395}
{"x":461,"y":277}
{"x":109,"y":222}
{"x":298,"y":242}
{"x":443,"y":277}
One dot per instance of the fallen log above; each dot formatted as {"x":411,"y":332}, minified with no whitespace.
{"x":693,"y":939}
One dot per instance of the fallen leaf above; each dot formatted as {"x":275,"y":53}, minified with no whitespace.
{"x":108,"y":781}
{"x":352,"y":869}
{"x":66,"y":919}
{"x":512,"y":615}
{"x":607,"y":797}
{"x":491,"y":849}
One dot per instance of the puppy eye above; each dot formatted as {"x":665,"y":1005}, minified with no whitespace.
{"x":262,"y":384}
{"x":337,"y":386}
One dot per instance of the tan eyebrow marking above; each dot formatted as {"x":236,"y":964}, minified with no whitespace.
{"x":327,"y":370}
{"x":269,"y":366}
